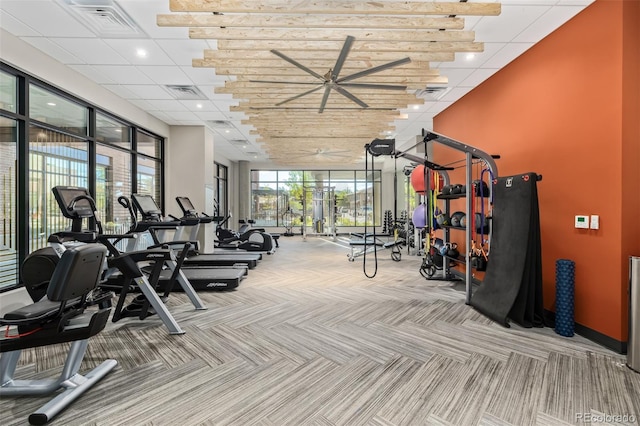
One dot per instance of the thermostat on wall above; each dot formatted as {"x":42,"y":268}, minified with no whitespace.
{"x":582,"y":221}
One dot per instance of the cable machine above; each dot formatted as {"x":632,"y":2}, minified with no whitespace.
{"x":319,"y":214}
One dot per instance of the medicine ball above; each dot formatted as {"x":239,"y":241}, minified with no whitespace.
{"x":443,"y":219}
{"x":446,"y":190}
{"x":37,"y":270}
{"x":456,"y":189}
{"x":419,"y":218}
{"x":455,"y":219}
{"x":463,"y":221}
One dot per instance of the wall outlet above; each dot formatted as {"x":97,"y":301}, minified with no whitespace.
{"x":582,"y":222}
{"x":595,"y":222}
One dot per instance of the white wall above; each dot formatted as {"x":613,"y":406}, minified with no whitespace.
{"x":27,"y":58}
{"x":189,"y":172}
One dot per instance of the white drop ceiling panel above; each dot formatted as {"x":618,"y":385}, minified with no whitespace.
{"x":142,"y":104}
{"x":16,"y":27}
{"x":199,"y":106}
{"x":91,"y":51}
{"x":549,"y":22}
{"x":149,"y":91}
{"x":46,"y":17}
{"x":165,"y":75}
{"x":123,"y":74}
{"x":93,"y":74}
{"x":211,"y":115}
{"x":167,"y":105}
{"x":513,"y":20}
{"x":184,"y":115}
{"x":121,"y":91}
{"x":129,"y":50}
{"x":54,"y":50}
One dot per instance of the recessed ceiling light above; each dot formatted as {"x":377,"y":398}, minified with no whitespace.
{"x":416,"y":107}
{"x":51,"y":103}
{"x":244,"y":146}
{"x":389,"y":132}
{"x":470,"y":56}
{"x":227,"y":131}
{"x":141,"y":53}
{"x":119,"y":130}
{"x":198,"y":105}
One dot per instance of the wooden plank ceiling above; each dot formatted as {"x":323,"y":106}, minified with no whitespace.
{"x":317,"y":80}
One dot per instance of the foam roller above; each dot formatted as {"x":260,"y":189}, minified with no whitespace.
{"x":565,"y":291}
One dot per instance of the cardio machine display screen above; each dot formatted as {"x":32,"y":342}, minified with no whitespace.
{"x":186,"y":205}
{"x":65,"y":196}
{"x":146,"y":205}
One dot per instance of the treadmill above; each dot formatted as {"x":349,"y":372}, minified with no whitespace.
{"x":217,"y":257}
{"x":219,"y":276}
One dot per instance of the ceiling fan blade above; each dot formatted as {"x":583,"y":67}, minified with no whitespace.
{"x":327,"y":90}
{"x":298,"y":64}
{"x":283,"y":82}
{"x":348,"y":95}
{"x":315,"y":89}
{"x":374,"y":86}
{"x":346,"y":47}
{"x":375,"y":69}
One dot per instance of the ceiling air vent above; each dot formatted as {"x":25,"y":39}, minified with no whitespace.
{"x":239,"y":142}
{"x":104,"y":17}
{"x":221,"y":124}
{"x":185,"y":93}
{"x":432,"y":93}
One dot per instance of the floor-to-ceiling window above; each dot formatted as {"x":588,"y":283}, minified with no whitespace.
{"x":113,"y":172}
{"x":54,"y":159}
{"x":8,"y":203}
{"x":49,"y":137}
{"x":58,"y":155}
{"x":356,"y":196}
{"x":149,"y":165}
{"x":221,"y":190}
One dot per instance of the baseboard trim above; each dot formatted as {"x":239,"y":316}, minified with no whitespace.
{"x":593,"y":335}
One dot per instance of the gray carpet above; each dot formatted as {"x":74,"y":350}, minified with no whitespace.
{"x":308,"y":340}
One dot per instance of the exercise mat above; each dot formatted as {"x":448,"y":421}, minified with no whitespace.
{"x":512,"y":285}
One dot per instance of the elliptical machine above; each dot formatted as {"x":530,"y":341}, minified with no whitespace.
{"x":246,"y":238}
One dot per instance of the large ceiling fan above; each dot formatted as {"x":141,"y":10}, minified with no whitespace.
{"x":317,"y":154}
{"x":332,"y":80}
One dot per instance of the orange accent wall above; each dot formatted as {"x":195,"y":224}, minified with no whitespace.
{"x":568,"y":109}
